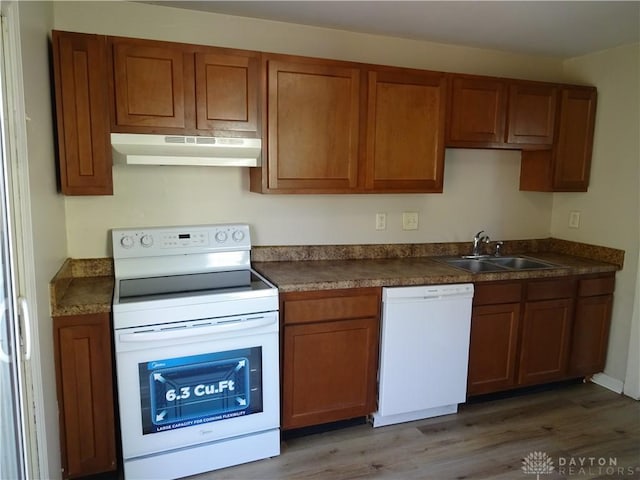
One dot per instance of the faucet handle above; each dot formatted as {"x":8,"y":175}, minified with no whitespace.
{"x":498,"y":251}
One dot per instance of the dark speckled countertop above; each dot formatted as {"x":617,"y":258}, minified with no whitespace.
{"x":85,"y":286}
{"x":82,"y":287}
{"x":296,"y":276}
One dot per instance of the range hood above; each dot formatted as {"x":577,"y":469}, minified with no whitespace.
{"x":143,"y":149}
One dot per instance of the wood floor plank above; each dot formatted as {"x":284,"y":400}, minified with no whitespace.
{"x":486,"y":440}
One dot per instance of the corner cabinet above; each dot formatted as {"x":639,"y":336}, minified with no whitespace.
{"x":591,"y":325}
{"x":330,"y":355}
{"x":82,"y":113}
{"x":84,"y":377}
{"x":566,"y":167}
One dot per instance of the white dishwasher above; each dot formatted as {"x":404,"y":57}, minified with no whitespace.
{"x":424,"y":352}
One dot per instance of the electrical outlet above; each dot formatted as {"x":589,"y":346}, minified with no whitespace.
{"x":381,"y":221}
{"x":410,"y":220}
{"x":574,"y":219}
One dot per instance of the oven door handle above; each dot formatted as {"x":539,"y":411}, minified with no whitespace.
{"x":172,"y":333}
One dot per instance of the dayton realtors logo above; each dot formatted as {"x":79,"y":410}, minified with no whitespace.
{"x":537,"y":463}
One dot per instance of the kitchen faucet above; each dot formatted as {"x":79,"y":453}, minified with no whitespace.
{"x":479,"y":239}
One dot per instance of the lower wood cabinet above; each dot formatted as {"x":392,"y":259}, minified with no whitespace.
{"x":84,"y":377}
{"x":591,"y":325}
{"x":330,"y":355}
{"x":544,"y":350}
{"x":495,"y":331}
{"x":538,"y":331}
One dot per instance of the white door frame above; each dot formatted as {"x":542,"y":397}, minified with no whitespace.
{"x":20,"y":205}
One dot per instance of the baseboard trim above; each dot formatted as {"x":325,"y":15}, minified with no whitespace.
{"x":608,"y":382}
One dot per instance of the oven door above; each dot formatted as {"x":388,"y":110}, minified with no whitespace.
{"x":189,"y":383}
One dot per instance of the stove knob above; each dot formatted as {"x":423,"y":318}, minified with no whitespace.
{"x":146,"y":241}
{"x":126,"y":241}
{"x":238,"y":235}
{"x":221,"y":237}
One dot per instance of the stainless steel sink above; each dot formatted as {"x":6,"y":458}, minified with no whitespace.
{"x":497,"y":264}
{"x":519,"y":263}
{"x":475,"y":265}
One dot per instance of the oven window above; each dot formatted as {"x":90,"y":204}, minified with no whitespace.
{"x":186,"y":391}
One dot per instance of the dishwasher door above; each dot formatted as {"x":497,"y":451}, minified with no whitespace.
{"x":424,"y":352}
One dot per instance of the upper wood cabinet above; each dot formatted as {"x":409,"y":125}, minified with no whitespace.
{"x":227,"y":96}
{"x":566,"y":167}
{"x":162,"y":87}
{"x":477,"y":112}
{"x":339,"y":127}
{"x":313,"y":127}
{"x":487,"y":112}
{"x":84,"y":149}
{"x":329,"y":126}
{"x":152,"y":86}
{"x":531,"y":113}
{"x":405,"y":131}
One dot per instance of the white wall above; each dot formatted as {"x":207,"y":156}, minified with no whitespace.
{"x":481,"y":187}
{"x":47,"y":208}
{"x":610,"y":213}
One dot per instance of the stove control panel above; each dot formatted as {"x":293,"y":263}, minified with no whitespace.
{"x":160,"y":241}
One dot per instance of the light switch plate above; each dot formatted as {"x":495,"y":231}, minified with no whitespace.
{"x":381,"y":221}
{"x":410,"y":220}
{"x":574,"y":219}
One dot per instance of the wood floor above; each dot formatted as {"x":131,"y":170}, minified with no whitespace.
{"x":485,"y":440}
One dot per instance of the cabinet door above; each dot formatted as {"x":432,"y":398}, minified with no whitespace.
{"x":532,"y":113}
{"x":405,"y":131}
{"x":477,"y":112}
{"x":80,"y":73}
{"x":85,"y":394}
{"x":546,"y":341}
{"x":329,"y":371}
{"x":590,"y":335}
{"x":493,"y":348}
{"x":313,"y":122}
{"x":566,"y":167}
{"x":153,"y":87}
{"x":572,"y":154}
{"x":227,"y":92}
